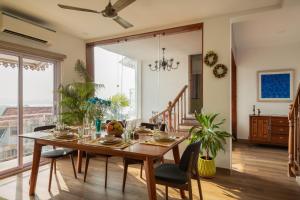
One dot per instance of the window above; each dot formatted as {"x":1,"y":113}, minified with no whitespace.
{"x":118,"y":73}
{"x":27,"y":100}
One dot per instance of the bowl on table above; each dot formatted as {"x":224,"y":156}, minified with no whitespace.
{"x":109,"y":138}
{"x":162,"y":136}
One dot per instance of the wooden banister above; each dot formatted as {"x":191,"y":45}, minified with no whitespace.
{"x":174,"y":113}
{"x":294,"y":137}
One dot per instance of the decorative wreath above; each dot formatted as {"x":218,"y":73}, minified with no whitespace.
{"x":211,"y":58}
{"x":220,"y":70}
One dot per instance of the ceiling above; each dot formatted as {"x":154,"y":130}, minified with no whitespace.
{"x":147,"y":49}
{"x":273,"y":28}
{"x":143,"y":14}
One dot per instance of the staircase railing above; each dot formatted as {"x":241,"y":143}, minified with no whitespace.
{"x":175,"y":112}
{"x":294,"y":136}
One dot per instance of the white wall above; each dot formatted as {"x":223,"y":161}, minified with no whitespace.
{"x":248,"y":63}
{"x":72,"y":47}
{"x":216,"y":92}
{"x":158,"y":88}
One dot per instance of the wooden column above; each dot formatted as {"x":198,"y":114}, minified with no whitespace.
{"x":291,"y":142}
{"x":170,"y":116}
{"x":90,"y":61}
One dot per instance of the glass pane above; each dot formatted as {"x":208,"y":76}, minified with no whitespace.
{"x":38,"y":94}
{"x":129,"y":86}
{"x":8,"y":111}
{"x":118,"y":74}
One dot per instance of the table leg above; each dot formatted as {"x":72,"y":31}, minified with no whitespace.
{"x":79,"y":161}
{"x":177,"y":160}
{"x":35,"y":167}
{"x":148,"y":164}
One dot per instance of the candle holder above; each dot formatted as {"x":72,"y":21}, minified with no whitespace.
{"x":253,"y":109}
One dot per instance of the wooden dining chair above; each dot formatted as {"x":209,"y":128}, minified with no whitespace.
{"x":91,"y":155}
{"x":130,"y":161}
{"x":180,"y":176}
{"x":55,"y":154}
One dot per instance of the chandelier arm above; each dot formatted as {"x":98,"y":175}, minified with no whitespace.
{"x":153,"y":67}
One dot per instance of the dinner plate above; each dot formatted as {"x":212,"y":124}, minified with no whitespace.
{"x":110,"y":142}
{"x":65,"y":136}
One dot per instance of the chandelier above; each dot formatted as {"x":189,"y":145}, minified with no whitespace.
{"x":164,"y":63}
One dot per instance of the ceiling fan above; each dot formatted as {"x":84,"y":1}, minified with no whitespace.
{"x":110,"y":11}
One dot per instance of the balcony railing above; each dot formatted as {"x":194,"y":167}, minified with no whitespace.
{"x":9,"y":135}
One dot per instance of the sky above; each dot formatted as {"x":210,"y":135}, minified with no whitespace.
{"x":37,"y":86}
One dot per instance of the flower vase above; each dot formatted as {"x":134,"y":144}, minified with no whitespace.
{"x":98,"y":125}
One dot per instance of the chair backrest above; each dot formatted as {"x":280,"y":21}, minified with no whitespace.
{"x":41,"y":128}
{"x":162,"y":127}
{"x":149,"y":125}
{"x":191,"y":152}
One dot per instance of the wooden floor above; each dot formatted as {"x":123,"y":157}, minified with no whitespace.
{"x":259,"y":173}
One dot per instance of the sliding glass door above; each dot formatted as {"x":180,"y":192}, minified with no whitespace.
{"x":38,"y":82}
{"x":26,"y":101}
{"x":9,"y":72}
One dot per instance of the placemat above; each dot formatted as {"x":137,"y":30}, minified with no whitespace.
{"x":52,"y":137}
{"x":120,"y":145}
{"x":157,"y":143}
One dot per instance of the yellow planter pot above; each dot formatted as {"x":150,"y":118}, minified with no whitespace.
{"x":206,"y":168}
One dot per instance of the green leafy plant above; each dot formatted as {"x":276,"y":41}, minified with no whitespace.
{"x":74,"y":96}
{"x":209,"y":133}
{"x":118,"y":102}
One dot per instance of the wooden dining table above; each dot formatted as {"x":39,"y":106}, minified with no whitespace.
{"x":145,"y":152}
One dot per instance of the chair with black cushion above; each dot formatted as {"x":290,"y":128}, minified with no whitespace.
{"x":90,"y":155}
{"x":149,"y":125}
{"x":179,"y":176}
{"x":130,"y":161}
{"x":55,"y":154}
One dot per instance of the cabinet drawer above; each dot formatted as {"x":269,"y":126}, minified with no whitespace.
{"x":283,"y":130}
{"x":279,"y":121}
{"x":280,"y":139}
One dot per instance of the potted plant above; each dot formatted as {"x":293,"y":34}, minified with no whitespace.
{"x":74,"y":96}
{"x":118,"y":103}
{"x":212,"y":140}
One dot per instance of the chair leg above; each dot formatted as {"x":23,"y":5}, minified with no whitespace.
{"x":124,"y":175}
{"x":167,"y":195}
{"x":190,"y":190}
{"x":106,"y":166}
{"x":199,"y":184}
{"x":54,"y":166}
{"x":74,"y":170}
{"x":141,"y":172}
{"x":87,"y":160}
{"x":50,"y":177}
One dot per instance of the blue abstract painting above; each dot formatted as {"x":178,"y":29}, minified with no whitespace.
{"x":275,"y":86}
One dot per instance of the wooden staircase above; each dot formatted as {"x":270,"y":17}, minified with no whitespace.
{"x":294,"y":137}
{"x":175,"y":115}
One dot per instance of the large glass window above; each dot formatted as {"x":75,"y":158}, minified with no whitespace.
{"x":26,"y":101}
{"x":118,"y":73}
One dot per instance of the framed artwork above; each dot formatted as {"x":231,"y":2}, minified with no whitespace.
{"x":275,"y":85}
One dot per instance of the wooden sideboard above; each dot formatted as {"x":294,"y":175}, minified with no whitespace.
{"x":266,"y":129}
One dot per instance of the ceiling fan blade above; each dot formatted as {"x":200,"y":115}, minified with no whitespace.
{"x":122,"y":22}
{"x":77,"y":8}
{"x":121,"y":4}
